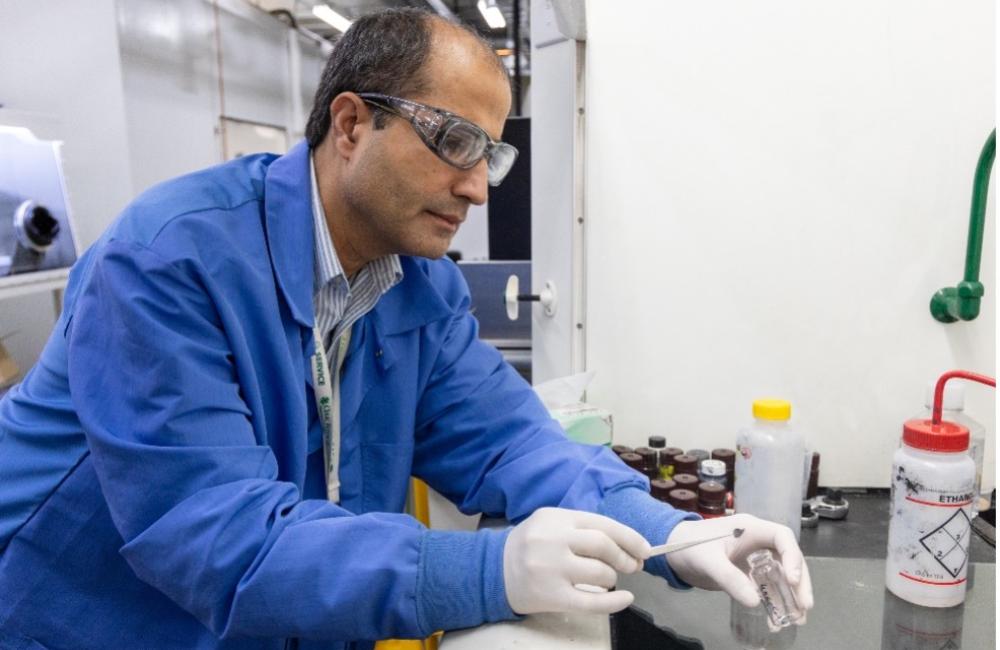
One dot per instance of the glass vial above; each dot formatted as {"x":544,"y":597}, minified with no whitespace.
{"x":650,"y":461}
{"x":775,"y":593}
{"x":711,"y":499}
{"x":659,"y":443}
{"x":667,"y":456}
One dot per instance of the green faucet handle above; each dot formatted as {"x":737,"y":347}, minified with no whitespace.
{"x":943,"y":305}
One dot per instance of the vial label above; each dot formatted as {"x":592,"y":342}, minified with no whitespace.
{"x":929,"y":530}
{"x":775,"y":593}
{"x":772,"y":610}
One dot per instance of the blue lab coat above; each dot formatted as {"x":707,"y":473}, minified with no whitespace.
{"x":161,"y":480}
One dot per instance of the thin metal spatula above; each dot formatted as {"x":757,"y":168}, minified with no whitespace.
{"x":663,"y":549}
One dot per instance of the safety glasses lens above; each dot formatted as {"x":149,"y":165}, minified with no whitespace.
{"x":501,"y":159}
{"x":462,"y":144}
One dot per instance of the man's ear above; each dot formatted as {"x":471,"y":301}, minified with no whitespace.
{"x":349,"y":119}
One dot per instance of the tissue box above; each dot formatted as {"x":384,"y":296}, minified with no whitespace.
{"x":584,"y":423}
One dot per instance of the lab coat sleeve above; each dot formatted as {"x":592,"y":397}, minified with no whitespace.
{"x":196,"y":496}
{"x":485,"y":441}
{"x":653,"y":519}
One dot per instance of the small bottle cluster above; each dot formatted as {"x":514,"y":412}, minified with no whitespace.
{"x":695,"y":480}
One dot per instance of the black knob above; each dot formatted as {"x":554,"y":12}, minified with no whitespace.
{"x":40,"y":226}
{"x":834,"y":497}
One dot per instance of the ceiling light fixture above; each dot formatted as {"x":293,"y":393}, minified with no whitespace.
{"x":491,"y":14}
{"x":331,"y":17}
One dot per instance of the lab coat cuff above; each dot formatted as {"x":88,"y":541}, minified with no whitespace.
{"x":652,"y":519}
{"x":460,"y":581}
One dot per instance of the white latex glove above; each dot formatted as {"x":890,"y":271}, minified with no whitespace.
{"x":554,"y":550}
{"x":722,"y":564}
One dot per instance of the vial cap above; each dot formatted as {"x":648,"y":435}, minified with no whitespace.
{"x":660,"y":488}
{"x":621,"y":449}
{"x":686,"y":463}
{"x":713,"y":468}
{"x":772,"y":409}
{"x":633,"y":460}
{"x":947,"y":436}
{"x":657,"y":442}
{"x":727,"y":456}
{"x":687,"y":481}
{"x":683,"y":499}
{"x":700,"y":454}
{"x":671,"y":453}
{"x":711,"y":492}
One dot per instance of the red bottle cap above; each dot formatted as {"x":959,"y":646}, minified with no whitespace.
{"x":947,"y":436}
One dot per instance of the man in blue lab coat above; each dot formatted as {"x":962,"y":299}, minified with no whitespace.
{"x":214,"y":449}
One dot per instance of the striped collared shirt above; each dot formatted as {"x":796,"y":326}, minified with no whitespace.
{"x":337,"y":302}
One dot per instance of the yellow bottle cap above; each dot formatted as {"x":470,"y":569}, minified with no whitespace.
{"x":772,"y":409}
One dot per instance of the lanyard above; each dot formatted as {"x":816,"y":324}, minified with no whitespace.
{"x":327,"y":391}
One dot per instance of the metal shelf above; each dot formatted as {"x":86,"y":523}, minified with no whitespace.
{"x":28,"y":283}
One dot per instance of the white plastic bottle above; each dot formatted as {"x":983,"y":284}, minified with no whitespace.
{"x":769,"y":466}
{"x":933,"y":478}
{"x":953,"y":410}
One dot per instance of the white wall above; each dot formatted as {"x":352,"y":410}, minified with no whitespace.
{"x":173,"y":92}
{"x":557,"y":136}
{"x":774,"y":191}
{"x":171,"y":80}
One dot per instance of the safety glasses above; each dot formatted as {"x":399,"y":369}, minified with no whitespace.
{"x":455,"y":140}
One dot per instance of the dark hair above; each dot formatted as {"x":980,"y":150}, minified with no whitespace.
{"x":383,"y":52}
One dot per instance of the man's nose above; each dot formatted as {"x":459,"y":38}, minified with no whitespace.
{"x":471,"y":184}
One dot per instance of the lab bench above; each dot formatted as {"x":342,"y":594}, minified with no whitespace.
{"x":853,"y":611}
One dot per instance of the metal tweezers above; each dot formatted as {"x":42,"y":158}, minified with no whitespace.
{"x":663,"y":549}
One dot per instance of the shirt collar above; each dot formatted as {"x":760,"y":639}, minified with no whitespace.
{"x":327,"y":267}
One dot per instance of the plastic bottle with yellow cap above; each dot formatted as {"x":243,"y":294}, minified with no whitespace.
{"x":769,"y":465}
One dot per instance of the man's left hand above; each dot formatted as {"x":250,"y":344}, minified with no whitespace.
{"x":722,"y":565}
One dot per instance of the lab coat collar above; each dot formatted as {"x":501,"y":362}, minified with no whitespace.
{"x":412,"y":303}
{"x":289,"y":223}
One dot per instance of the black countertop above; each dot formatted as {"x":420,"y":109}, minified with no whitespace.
{"x":853,"y":608}
{"x":865,"y":531}
{"x":853,"y":611}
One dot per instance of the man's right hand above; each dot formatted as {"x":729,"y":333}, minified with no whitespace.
{"x":554,"y":550}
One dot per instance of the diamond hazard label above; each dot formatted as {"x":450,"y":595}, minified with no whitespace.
{"x":948,"y":543}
